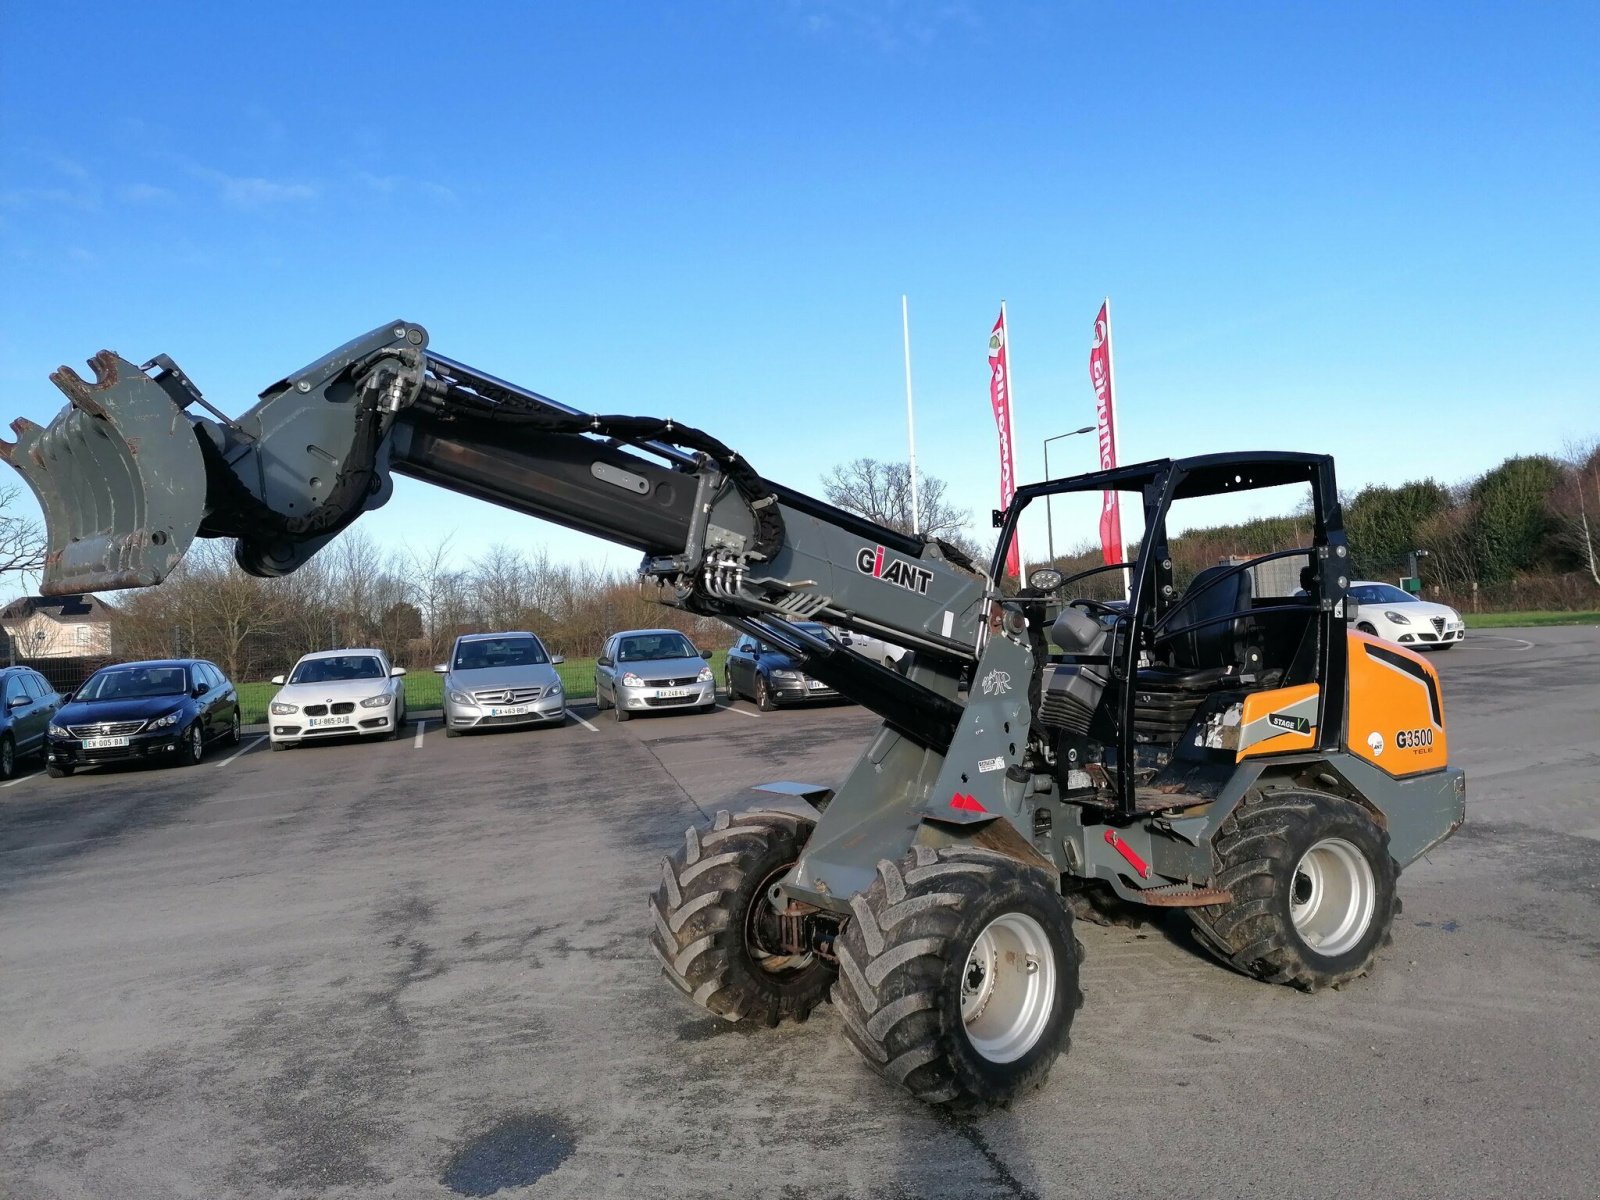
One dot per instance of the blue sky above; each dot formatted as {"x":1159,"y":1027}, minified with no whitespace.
{"x":1370,"y":229}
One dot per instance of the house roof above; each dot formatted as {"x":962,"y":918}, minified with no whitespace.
{"x":69,"y":610}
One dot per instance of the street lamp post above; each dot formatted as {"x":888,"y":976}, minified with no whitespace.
{"x":1049,"y":524}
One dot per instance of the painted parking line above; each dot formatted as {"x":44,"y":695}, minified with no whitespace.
{"x":21,"y":779}
{"x":581,"y":721}
{"x":245,"y":749}
{"x":740,"y":711}
{"x":416,"y":742}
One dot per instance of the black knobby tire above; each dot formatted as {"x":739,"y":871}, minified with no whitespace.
{"x":904,"y":963}
{"x":707,"y":914}
{"x":764,"y":700}
{"x":56,"y":772}
{"x":1261,"y":854}
{"x":8,"y":757}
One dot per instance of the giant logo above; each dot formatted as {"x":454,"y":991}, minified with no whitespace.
{"x":875,"y":561}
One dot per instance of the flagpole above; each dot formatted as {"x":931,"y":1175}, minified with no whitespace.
{"x":1011,"y":415}
{"x":1116,"y":438}
{"x":911,"y":424}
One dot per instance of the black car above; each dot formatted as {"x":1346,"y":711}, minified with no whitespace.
{"x":170,"y":709}
{"x":27,"y":705}
{"x":769,"y":676}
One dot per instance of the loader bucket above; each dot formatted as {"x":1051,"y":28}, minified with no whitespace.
{"x":119,"y":476}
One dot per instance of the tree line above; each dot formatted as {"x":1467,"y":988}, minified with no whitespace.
{"x":1525,"y":534}
{"x":411,"y":604}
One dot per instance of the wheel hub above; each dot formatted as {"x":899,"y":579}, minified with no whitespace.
{"x":1333,"y":897}
{"x":1008,"y":987}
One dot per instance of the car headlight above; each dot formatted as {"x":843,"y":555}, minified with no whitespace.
{"x":57,"y":731}
{"x":377,"y":701}
{"x":787,"y":676}
{"x":1397,"y":618}
{"x":460,"y":697}
{"x":555,"y":689}
{"x":170,"y":718}
{"x":705,"y":675}
{"x":279,"y":709}
{"x":632,"y":680}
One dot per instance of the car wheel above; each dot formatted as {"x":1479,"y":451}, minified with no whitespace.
{"x":1366,"y":627}
{"x":56,"y":772}
{"x":235,"y":730}
{"x":764,"y":700}
{"x":8,"y":757}
{"x":599,"y":700}
{"x":283,"y":745}
{"x":727,"y":679}
{"x":193,"y":748}
{"x":621,"y":714}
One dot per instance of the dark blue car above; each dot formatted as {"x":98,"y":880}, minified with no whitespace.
{"x":169,"y":709}
{"x":769,"y":676}
{"x":27,"y":705}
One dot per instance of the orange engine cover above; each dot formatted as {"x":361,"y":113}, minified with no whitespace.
{"x":1395,"y":714}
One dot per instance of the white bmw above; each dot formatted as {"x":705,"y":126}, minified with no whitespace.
{"x":337,"y":693}
{"x":1394,"y":615}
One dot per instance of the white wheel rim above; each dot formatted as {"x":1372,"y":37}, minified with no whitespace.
{"x":1332,"y":897}
{"x":1008,"y":988}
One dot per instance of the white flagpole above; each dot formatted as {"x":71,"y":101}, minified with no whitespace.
{"x":1011,"y":419}
{"x":911,"y":425}
{"x":1116,"y":441}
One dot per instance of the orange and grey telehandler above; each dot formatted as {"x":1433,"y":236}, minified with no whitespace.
{"x":1237,"y":755}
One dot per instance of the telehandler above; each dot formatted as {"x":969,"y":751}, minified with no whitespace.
{"x":1237,"y":755}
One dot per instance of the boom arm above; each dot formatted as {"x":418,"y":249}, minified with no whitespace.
{"x":127,"y":476}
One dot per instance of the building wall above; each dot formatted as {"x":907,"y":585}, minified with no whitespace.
{"x":41,"y":636}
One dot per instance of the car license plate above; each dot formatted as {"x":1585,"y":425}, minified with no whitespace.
{"x":105,"y":743}
{"x":817,"y":685}
{"x":672,"y":693}
{"x":318,"y":722}
{"x":511,"y":710}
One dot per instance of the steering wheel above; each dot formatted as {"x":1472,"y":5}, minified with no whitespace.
{"x":1098,"y":608}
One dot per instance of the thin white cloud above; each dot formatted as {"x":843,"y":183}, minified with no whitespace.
{"x":389,"y":185}
{"x":254,"y":192}
{"x":889,"y":25}
{"x":144,"y":193}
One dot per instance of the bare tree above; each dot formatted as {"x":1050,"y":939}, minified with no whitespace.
{"x":1576,"y":506}
{"x":881,"y":492}
{"x":22,"y":545}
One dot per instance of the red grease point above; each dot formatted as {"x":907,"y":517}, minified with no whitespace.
{"x":1127,"y":852}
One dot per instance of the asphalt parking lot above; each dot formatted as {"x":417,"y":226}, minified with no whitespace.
{"x":417,"y":968}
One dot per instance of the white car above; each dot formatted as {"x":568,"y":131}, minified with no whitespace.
{"x":337,"y":693}
{"x":1394,"y":615}
{"x":875,"y":648}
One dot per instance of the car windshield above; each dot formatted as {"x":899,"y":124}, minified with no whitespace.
{"x":1380,"y":593}
{"x":126,"y":683}
{"x":483,"y":654}
{"x":647,"y":647}
{"x":337,"y":668}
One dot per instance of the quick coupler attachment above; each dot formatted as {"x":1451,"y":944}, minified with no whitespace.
{"x":119,"y":476}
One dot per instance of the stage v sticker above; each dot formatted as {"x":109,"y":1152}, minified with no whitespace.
{"x":1292,"y":724}
{"x":875,"y":561}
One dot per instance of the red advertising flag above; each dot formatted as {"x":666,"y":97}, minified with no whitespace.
{"x":1111,"y":547}
{"x":1000,"y":400}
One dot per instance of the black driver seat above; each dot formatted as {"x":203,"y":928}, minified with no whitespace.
{"x":1210,"y":656}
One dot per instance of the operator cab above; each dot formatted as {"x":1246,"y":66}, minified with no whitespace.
{"x":1191,"y":644}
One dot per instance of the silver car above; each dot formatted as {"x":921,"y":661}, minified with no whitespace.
{"x":497,"y":679}
{"x":652,"y":670}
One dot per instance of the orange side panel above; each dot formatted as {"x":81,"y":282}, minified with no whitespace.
{"x":1281,"y":720}
{"x":1395,"y":717}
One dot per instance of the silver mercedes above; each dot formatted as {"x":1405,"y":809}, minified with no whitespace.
{"x":497,"y":679}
